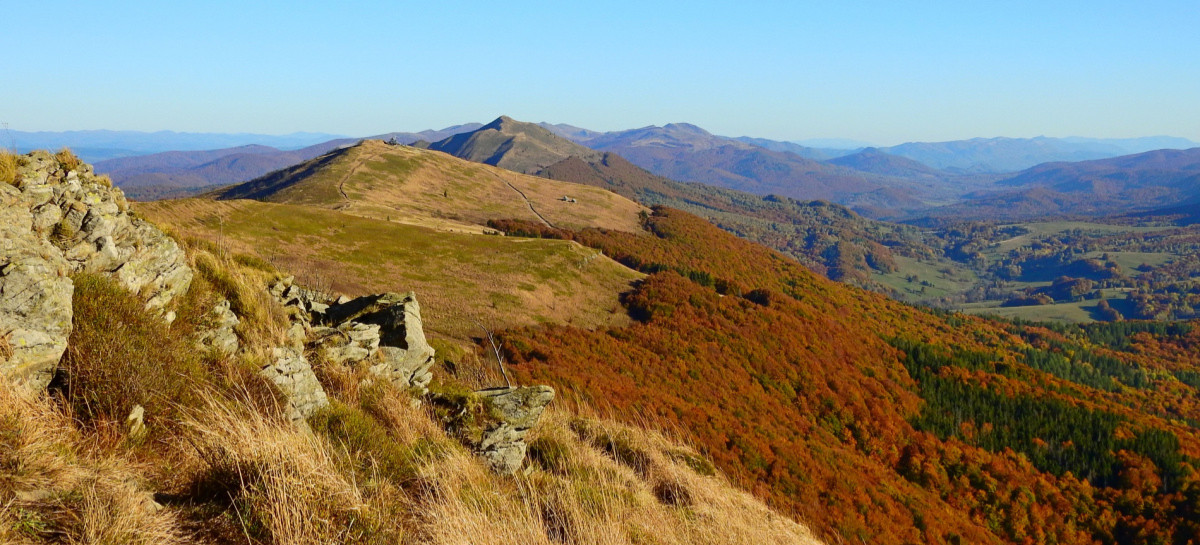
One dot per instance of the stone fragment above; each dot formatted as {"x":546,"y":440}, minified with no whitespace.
{"x":221,"y":336}
{"x":498,"y":434}
{"x":293,"y":375}
{"x":135,"y":425}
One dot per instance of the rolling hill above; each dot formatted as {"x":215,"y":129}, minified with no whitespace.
{"x":461,"y":276}
{"x":876,"y":161}
{"x":512,"y":145}
{"x":408,"y":184}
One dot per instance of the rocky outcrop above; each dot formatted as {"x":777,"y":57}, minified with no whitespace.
{"x":293,"y":375}
{"x":403,"y":356}
{"x":35,"y":296}
{"x":58,"y":219}
{"x":384,"y":331}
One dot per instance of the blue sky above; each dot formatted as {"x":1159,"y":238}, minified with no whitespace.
{"x":883,"y":72}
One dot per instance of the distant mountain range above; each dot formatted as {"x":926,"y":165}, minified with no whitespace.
{"x":995,"y":155}
{"x":103,"y":144}
{"x":180,"y":173}
{"x":688,"y":153}
{"x":961,"y":178}
{"x":826,"y":237}
{"x":1119,"y":185}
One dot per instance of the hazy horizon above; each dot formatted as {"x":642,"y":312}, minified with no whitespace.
{"x":876,"y":72}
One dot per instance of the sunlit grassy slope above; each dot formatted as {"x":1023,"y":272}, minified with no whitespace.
{"x":430,"y":188}
{"x":501,"y":281}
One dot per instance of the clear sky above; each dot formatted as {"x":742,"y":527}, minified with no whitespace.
{"x":882,"y":72}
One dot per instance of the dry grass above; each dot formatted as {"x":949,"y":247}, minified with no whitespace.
{"x":243,"y":281}
{"x":8,"y":167}
{"x":501,"y":281}
{"x":54,"y":488}
{"x":422,"y":187}
{"x":67,"y":159}
{"x":283,"y":484}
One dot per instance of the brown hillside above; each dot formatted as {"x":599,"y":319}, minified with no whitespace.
{"x":411,"y":185}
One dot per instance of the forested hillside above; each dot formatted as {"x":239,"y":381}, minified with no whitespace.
{"x":881,"y":422}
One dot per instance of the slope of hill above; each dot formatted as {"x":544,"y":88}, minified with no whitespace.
{"x":408,"y":184}
{"x":1174,"y":170}
{"x":828,"y":238}
{"x":881,"y":423}
{"x":500,"y":281}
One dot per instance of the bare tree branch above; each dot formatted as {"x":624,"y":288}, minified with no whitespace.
{"x":491,"y":337}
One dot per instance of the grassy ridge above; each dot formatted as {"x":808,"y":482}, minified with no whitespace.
{"x":499,"y":280}
{"x":424,"y":187}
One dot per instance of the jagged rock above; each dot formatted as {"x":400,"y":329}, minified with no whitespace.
{"x":35,"y":297}
{"x":405,"y":355}
{"x":221,"y":337}
{"x":57,"y":221}
{"x":510,"y":413}
{"x":398,"y":366}
{"x":293,"y":375}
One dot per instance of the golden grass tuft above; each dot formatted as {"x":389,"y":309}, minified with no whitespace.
{"x":54,"y":488}
{"x":283,"y":483}
{"x":67,"y":159}
{"x":8,"y":168}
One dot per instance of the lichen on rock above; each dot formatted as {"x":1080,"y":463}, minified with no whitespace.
{"x":56,"y":220}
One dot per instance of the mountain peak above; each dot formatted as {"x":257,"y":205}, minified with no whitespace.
{"x":686,"y":127}
{"x":511,"y":144}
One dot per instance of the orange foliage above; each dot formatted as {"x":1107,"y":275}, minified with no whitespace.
{"x":788,"y":382}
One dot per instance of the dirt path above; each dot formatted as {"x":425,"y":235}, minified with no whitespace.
{"x":528,"y":202}
{"x":342,"y":182}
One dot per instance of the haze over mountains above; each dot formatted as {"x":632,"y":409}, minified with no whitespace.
{"x":908,"y":181}
{"x":97,"y":145}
